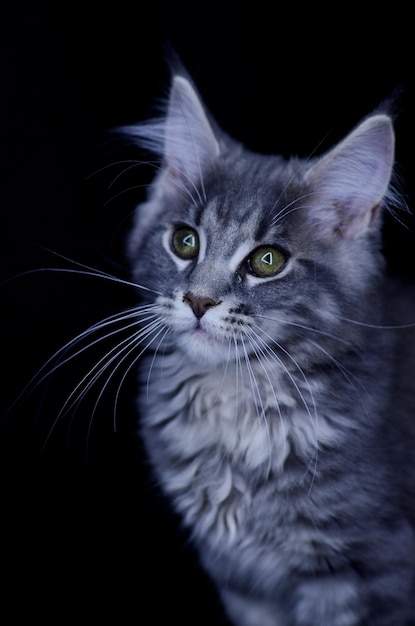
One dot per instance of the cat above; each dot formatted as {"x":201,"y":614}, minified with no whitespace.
{"x":275,"y":399}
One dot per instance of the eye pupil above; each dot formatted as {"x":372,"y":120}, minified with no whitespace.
{"x":268,"y":258}
{"x":266,"y":261}
{"x":185,"y":242}
{"x":189,"y":240}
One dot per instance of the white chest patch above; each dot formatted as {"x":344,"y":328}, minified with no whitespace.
{"x":203,"y":425}
{"x":243,"y":412}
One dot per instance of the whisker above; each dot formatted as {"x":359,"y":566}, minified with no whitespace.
{"x":238,"y":376}
{"x":72,"y":261}
{"x":275,"y":356}
{"x":221,"y":384}
{"x":313,"y":416}
{"x":377,"y":326}
{"x":135,"y":163}
{"x":44,"y":373}
{"x":123,"y":192}
{"x":257,"y":394}
{"x":96,"y":370}
{"x":94,"y":274}
{"x":181,"y":185}
{"x":91,"y":377}
{"x":127,"y":169}
{"x":263,"y":354}
{"x":259,"y":353}
{"x":288,"y":183}
{"x":282,"y":213}
{"x":133,"y":343}
{"x":351,"y":378}
{"x":317,"y":331}
{"x":117,"y":394}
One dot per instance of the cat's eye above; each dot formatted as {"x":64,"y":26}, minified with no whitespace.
{"x":266,"y":261}
{"x":185,"y":242}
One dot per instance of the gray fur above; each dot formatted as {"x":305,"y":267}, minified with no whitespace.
{"x":273,"y":421}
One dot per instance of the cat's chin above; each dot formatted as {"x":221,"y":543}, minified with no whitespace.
{"x":202,"y":348}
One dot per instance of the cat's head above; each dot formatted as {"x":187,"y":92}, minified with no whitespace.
{"x":242,"y":248}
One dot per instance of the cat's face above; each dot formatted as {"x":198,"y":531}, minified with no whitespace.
{"x":218,"y":265}
{"x":244,"y":268}
{"x":246,"y":254}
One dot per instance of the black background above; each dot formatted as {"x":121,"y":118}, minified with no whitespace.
{"x":84,"y":533}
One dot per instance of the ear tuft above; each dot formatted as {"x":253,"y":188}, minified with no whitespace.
{"x":183,"y":138}
{"x":190,"y":145}
{"x":350,"y":183}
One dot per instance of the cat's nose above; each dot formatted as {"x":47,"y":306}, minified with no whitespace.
{"x":199,"y":305}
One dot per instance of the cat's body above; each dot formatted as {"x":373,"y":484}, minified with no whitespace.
{"x":268,"y":394}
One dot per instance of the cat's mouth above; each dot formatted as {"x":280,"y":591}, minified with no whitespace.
{"x":202,"y":346}
{"x":198,"y":333}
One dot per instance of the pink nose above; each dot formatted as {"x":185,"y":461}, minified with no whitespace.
{"x":199,"y":305}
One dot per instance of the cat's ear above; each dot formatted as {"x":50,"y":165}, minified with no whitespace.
{"x":190,"y":144}
{"x":350,"y":183}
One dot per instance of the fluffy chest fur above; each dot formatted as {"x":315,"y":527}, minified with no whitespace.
{"x":262,"y":476}
{"x":220,"y":436}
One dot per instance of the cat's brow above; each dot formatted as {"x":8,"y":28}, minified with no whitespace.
{"x":240,"y":254}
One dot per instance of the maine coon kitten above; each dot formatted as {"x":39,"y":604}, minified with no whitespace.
{"x":275,"y":401}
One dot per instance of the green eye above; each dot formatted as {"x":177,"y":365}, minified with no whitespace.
{"x":266,"y":261}
{"x":185,"y":242}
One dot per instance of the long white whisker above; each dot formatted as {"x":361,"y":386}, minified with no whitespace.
{"x":72,"y":261}
{"x":133,"y":165}
{"x":377,"y":326}
{"x":287,"y":184}
{"x":282,"y":213}
{"x":128,"y":350}
{"x":313,"y":416}
{"x":96,"y":372}
{"x":351,"y":378}
{"x":238,"y":375}
{"x":257,"y":394}
{"x":134,"y":162}
{"x":275,"y":356}
{"x":123,"y":192}
{"x":43,"y":373}
{"x":260,"y":355}
{"x":317,"y":331}
{"x":263,"y":353}
{"x":167,"y":330}
{"x":94,"y":274}
{"x":220,"y":387}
